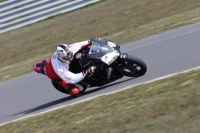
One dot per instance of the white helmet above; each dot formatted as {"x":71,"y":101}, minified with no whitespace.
{"x":64,"y":53}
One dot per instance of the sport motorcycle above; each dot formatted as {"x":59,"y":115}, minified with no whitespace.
{"x":111,"y":64}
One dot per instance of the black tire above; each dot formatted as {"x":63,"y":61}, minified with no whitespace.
{"x":58,"y":87}
{"x":136,"y":66}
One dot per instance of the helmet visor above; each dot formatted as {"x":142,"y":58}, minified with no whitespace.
{"x":68,"y":56}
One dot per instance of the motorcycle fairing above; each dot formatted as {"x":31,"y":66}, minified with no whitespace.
{"x":110,"y":57}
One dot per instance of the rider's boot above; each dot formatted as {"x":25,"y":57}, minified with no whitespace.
{"x":39,"y":67}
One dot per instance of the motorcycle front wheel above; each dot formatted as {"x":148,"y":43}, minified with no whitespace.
{"x":132,"y":66}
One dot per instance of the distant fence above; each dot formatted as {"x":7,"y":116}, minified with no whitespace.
{"x":18,"y":13}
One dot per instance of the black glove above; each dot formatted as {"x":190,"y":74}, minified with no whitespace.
{"x":89,"y":72}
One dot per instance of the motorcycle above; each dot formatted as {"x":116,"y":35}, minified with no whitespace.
{"x":110,"y":63}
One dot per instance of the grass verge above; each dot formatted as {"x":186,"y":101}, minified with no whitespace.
{"x":2,"y":0}
{"x":123,"y":21}
{"x":167,"y":105}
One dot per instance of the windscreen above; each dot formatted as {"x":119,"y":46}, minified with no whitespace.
{"x":99,"y":47}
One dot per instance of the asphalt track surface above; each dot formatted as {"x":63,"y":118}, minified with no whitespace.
{"x":171,"y":52}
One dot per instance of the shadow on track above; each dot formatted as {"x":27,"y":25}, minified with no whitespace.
{"x":103,"y":87}
{"x":65,"y":99}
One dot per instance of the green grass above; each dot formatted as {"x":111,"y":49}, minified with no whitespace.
{"x":121,"y":20}
{"x":2,"y":0}
{"x":166,"y":106}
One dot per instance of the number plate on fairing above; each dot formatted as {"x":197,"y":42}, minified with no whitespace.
{"x":110,"y":57}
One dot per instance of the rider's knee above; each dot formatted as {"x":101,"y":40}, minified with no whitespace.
{"x":74,"y":92}
{"x":72,"y":89}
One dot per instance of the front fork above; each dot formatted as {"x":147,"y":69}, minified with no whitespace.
{"x":120,"y":64}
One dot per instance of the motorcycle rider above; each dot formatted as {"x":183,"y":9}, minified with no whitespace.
{"x":57,"y":67}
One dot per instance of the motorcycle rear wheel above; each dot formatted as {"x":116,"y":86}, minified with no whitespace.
{"x":132,"y":66}
{"x":58,"y":87}
{"x":63,"y":90}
